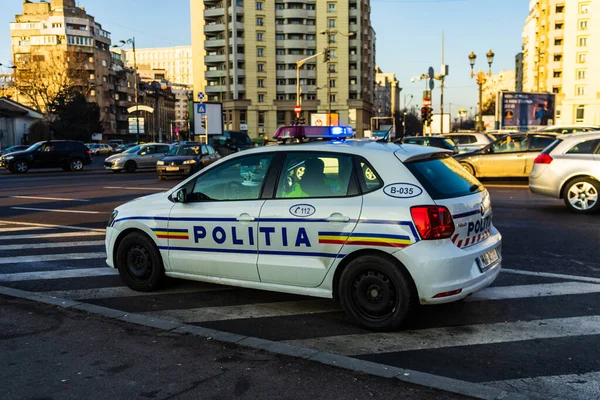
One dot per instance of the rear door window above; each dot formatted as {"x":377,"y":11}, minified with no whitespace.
{"x":540,"y":143}
{"x":61,"y":146}
{"x":444,"y":178}
{"x":368,"y":178}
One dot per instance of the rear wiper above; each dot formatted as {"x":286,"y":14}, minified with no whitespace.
{"x":474,"y":188}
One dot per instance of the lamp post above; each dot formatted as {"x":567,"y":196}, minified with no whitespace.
{"x":404,"y":113}
{"x":135,"y":85}
{"x":481,"y":78}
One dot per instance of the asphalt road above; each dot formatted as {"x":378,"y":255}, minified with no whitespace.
{"x":531,"y":332}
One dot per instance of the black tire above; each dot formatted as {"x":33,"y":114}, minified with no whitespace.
{"x":376,"y":293}
{"x":130,"y":166}
{"x":139,"y":263}
{"x":76,"y":164}
{"x":582,"y":195}
{"x":469,"y":168}
{"x":20,"y":167}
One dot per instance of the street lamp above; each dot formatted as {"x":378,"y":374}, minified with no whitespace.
{"x":481,"y":78}
{"x":135,"y":85}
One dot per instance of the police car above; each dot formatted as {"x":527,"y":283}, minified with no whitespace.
{"x":381,"y":227}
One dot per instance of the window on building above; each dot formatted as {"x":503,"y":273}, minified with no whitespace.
{"x":261,"y":118}
{"x":556,"y":89}
{"x":557,"y":74}
{"x":261,"y":83}
{"x":584,"y":8}
{"x":280,"y":67}
{"x":259,"y":21}
{"x":581,"y":58}
{"x":583,"y":25}
{"x":279,"y":37}
{"x":259,"y":36}
{"x":332,"y":98}
{"x":261,"y":67}
{"x":279,"y":21}
{"x":279,"y":6}
{"x":260,"y":52}
{"x":579,"y":113}
{"x":310,"y":22}
{"x":557,"y":56}
{"x":582,"y":41}
{"x":310,"y":7}
{"x":280,"y":52}
{"x":558,"y":25}
{"x":280,"y":118}
{"x":259,"y":5}
{"x":104,"y":63}
{"x":331,"y":23}
{"x":558,"y":42}
{"x":581,"y":74}
{"x":331,"y":7}
{"x":332,"y":83}
{"x":92,"y":92}
{"x":560,"y":8}
{"x":261,"y":98}
{"x":579,"y":90}
{"x":281,"y":81}
{"x":332,"y":38}
{"x":332,"y":67}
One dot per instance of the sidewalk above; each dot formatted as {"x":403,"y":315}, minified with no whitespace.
{"x":49,"y":352}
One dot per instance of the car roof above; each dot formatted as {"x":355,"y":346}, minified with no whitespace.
{"x":579,"y":136}
{"x":365,"y":148}
{"x":426,"y":137}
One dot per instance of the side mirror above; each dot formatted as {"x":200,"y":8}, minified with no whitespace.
{"x":180,"y":196}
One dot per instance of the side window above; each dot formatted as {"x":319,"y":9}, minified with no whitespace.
{"x":61,"y":146}
{"x":460,"y":139}
{"x":204,"y":150}
{"x":162,"y":149}
{"x":470,"y":139}
{"x":239,"y":179}
{"x":540,"y":142}
{"x":511,"y":144}
{"x":211,"y":150}
{"x":308,"y":174}
{"x":368,"y":178}
{"x":587,"y":147}
{"x":147,"y":150}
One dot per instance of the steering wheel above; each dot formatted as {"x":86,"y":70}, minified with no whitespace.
{"x":234,"y":190}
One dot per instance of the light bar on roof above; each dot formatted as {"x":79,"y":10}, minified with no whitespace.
{"x":313,"y":132}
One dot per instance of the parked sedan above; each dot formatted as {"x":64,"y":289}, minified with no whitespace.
{"x":140,"y":156}
{"x":509,"y":156}
{"x":433,"y":141}
{"x":100,"y":149}
{"x":186,"y":159}
{"x":12,"y":149}
{"x":470,"y":141}
{"x":122,"y":147}
{"x":569,"y":169}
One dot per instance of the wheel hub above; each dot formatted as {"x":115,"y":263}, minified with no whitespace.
{"x":138,"y":262}
{"x":374,"y":294}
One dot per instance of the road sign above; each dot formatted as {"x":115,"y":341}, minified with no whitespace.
{"x":201,"y":96}
{"x":201,"y":108}
{"x":431,"y":84}
{"x":431,"y":73}
{"x":298,"y":109}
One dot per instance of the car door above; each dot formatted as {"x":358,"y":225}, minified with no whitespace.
{"x":303,"y":228}
{"x":506,"y":157}
{"x":146,"y":157}
{"x":60,"y":154}
{"x":215,"y":233}
{"x":537,"y":144}
{"x":42,"y":156}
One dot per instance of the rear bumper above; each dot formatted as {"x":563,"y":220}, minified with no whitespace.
{"x":440,"y":267}
{"x":545,"y":184}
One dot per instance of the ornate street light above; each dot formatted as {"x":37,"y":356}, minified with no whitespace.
{"x":481,"y":78}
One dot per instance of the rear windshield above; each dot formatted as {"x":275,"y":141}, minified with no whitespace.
{"x":444,"y":178}
{"x":240,"y":138}
{"x":552,"y":146}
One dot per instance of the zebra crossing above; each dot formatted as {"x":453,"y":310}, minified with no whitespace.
{"x":529,"y":333}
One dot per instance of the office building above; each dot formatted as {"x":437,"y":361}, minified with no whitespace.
{"x":176,"y":62}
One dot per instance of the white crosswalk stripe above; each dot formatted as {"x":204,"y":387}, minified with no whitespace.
{"x":51,"y":235}
{"x":60,"y":274}
{"x":51,"y":257}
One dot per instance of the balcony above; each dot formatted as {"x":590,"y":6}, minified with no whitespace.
{"x":215,"y":74}
{"x":238,"y":41}
{"x":220,"y":58}
{"x":298,"y":44}
{"x":215,"y":89}
{"x":214,"y":43}
{"x":295,"y":28}
{"x":239,"y":57}
{"x":214,"y":28}
{"x":291,"y":13}
{"x":291,"y":74}
{"x":214,"y":12}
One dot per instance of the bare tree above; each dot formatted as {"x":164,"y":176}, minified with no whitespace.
{"x":44,"y":78}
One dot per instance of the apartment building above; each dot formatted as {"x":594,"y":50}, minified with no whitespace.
{"x":244,"y":54}
{"x":46,"y":28}
{"x":387,"y":94}
{"x":559,"y":42}
{"x":175,"y":61}
{"x":500,"y":82}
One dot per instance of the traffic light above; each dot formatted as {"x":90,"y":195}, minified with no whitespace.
{"x":204,"y":123}
{"x":302,"y":121}
{"x":296,"y":121}
{"x":326,"y":55}
{"x":424,"y":114}
{"x":429,"y":115}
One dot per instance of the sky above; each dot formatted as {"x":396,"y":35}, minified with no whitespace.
{"x":409,"y":36}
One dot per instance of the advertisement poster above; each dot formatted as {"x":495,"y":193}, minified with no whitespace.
{"x":526,"y":111}
{"x":321,"y":119}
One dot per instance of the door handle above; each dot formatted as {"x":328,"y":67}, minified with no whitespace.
{"x":245,"y":217}
{"x":520,"y":155}
{"x":337,"y":217}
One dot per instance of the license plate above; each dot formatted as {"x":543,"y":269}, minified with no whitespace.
{"x":487,"y":260}
{"x":172,"y":168}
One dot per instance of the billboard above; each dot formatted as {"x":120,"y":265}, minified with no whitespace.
{"x":321,"y":119}
{"x":525,"y":111}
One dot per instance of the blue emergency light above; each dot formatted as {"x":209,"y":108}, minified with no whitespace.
{"x":313,"y":132}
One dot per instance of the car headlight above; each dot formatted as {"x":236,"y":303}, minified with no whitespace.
{"x":115,"y":160}
{"x":160,"y":163}
{"x":189,"y":162}
{"x":8,"y":157}
{"x":112,"y":218}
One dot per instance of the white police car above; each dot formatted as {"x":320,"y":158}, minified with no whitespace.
{"x":381,"y":227}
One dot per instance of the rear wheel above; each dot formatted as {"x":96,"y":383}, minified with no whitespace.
{"x":469,"y":168}
{"x":376,"y":293}
{"x":21,"y":167}
{"x":140,"y":263}
{"x":130,"y":166}
{"x":581,"y":195}
{"x":76,"y":164}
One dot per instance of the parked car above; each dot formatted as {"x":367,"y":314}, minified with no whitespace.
{"x":569,"y":169}
{"x":467,"y":142}
{"x":509,"y":156}
{"x":12,"y":149}
{"x":69,"y":155}
{"x":137,"y":157}
{"x":230,"y":142}
{"x":122,"y":147}
{"x":566,"y":129}
{"x":99,"y":149}
{"x":186,"y":159}
{"x":433,"y":141}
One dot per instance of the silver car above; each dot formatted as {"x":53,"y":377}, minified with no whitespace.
{"x":470,"y":141}
{"x":569,"y":169}
{"x":140,"y":156}
{"x":99,"y":149}
{"x":566,"y":129}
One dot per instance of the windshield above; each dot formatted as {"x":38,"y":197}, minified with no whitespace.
{"x":240,"y":138}
{"x":132,"y":150}
{"x":34,"y":146}
{"x":184,"y":151}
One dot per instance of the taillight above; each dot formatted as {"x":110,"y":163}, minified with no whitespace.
{"x":433,"y":222}
{"x":543,"y":159}
{"x":89,"y":152}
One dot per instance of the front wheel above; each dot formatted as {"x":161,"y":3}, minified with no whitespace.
{"x":130,"y":166}
{"x":76,"y":165}
{"x":376,"y":293}
{"x":140,"y":263}
{"x":21,"y":167}
{"x":581,"y":196}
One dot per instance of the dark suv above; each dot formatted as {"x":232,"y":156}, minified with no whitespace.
{"x":69,"y":155}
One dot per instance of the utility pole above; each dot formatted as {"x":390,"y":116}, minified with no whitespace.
{"x":443,"y":75}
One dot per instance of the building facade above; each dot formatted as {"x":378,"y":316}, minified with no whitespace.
{"x":244,"y":54}
{"x":560,"y":39}
{"x":59,"y":27}
{"x":175,"y":61}
{"x":501,"y":82}
{"x":15,"y":121}
{"x":387,"y":94}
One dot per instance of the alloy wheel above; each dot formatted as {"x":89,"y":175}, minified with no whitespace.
{"x":582,"y":196}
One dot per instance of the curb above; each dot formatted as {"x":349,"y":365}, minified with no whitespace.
{"x":475,"y":390}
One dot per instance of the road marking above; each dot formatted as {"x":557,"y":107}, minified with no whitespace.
{"x":539,"y":290}
{"x":9,"y":247}
{"x":51,"y":257}
{"x":62,"y":274}
{"x":551,"y":275}
{"x":23,"y":228}
{"x":469,"y":335}
{"x":135,"y":188}
{"x":46,"y":198}
{"x":124,"y":291}
{"x":59,"y":211}
{"x":76,"y":228}
{"x":50,"y":235}
{"x":572,"y":386}
{"x":261,"y":310}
